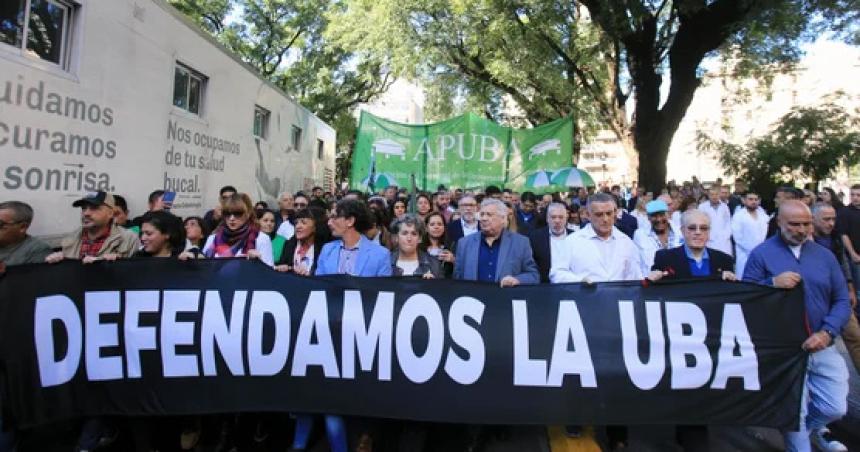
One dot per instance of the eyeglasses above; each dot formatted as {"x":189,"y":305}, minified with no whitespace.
{"x":466,"y":204}
{"x":4,"y":224}
{"x":698,"y":227}
{"x":234,"y":213}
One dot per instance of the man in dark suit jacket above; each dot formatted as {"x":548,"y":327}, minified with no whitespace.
{"x":467,"y":221}
{"x":552,"y":235}
{"x":693,"y":259}
{"x":625,"y":223}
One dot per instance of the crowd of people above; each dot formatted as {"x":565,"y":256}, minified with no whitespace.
{"x":498,"y":236}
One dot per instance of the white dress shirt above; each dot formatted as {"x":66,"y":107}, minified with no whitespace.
{"x":468,"y":230}
{"x":587,"y":256}
{"x":286,"y":230}
{"x":749,"y":232}
{"x":648,"y":244}
{"x":721,"y":226}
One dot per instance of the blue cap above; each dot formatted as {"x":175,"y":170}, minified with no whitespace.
{"x":656,"y":206}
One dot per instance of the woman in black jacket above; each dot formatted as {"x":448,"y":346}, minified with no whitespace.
{"x":301,"y":253}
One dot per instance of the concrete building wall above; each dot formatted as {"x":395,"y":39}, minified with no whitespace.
{"x":122,"y":68}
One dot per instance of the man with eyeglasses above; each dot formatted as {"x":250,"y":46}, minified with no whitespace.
{"x":212,"y":218}
{"x":468,"y":223}
{"x":694,"y":258}
{"x":783,"y":261}
{"x":16,"y":246}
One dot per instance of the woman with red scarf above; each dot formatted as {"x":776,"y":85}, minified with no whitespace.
{"x":238,"y":235}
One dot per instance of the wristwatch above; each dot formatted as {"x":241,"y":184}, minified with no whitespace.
{"x":829,"y":333}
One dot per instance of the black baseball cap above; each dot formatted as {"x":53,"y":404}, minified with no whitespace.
{"x":96,"y":198}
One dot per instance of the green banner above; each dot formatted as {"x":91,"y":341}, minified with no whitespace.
{"x":462,"y":152}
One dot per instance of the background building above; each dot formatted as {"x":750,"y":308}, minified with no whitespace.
{"x":130,"y":96}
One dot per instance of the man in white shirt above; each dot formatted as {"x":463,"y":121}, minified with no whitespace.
{"x":749,"y":228}
{"x":721,"y":221}
{"x":548,"y":241}
{"x":468,"y":223}
{"x":660,"y":236}
{"x":599,"y":251}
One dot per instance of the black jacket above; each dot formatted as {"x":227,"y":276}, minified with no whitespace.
{"x":426,"y":263}
{"x":290,"y":249}
{"x":454,"y":230}
{"x":674,"y":261}
{"x":542,"y":250}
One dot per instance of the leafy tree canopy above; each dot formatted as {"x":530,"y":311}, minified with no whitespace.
{"x":809,"y":143}
{"x":587,"y":58}
{"x":286,"y":41}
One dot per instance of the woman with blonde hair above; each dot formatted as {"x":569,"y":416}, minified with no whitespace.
{"x":239,"y":235}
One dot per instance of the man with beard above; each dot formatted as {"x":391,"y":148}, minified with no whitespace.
{"x":783,"y":261}
{"x":749,"y":229}
{"x":660,"y":236}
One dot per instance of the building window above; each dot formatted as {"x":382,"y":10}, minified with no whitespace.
{"x":296,"y":138}
{"x":320,"y":148}
{"x":261,"y":122}
{"x":188,"y":88}
{"x":39,"y":28}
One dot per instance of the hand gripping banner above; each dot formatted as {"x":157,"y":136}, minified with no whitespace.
{"x":163,"y":337}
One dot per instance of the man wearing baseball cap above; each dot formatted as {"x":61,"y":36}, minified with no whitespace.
{"x":660,"y":236}
{"x":98,"y":238}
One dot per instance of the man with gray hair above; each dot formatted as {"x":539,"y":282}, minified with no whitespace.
{"x":495,"y":254}
{"x":599,"y":251}
{"x":548,"y":241}
{"x":16,"y":246}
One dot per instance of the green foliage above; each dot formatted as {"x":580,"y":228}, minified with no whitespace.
{"x":285,"y":40}
{"x":807,"y":143}
{"x":587,"y":58}
{"x":472,"y":52}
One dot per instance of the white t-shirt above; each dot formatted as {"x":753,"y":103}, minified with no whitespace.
{"x":795,"y":249}
{"x":408,"y":267}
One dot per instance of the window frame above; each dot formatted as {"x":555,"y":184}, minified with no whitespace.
{"x":202,"y":82}
{"x":320,"y":149}
{"x":296,"y":138}
{"x":70,"y":19}
{"x":266,"y":116}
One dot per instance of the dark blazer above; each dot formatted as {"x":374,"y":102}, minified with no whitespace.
{"x":627,"y":224}
{"x":454,"y":230}
{"x":426,"y":263}
{"x":515,"y":258}
{"x":290,"y":249}
{"x":631,"y":203}
{"x":542,"y":250}
{"x":525,"y":227}
{"x":674,"y":260}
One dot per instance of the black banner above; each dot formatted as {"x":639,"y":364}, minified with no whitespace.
{"x":162,"y":337}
